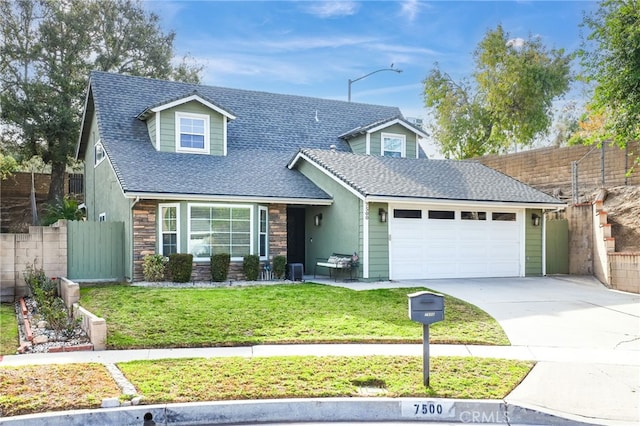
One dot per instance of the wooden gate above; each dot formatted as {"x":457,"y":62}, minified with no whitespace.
{"x":95,"y":251}
{"x":557,"y":246}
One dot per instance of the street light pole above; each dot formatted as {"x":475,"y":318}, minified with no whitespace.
{"x":391,"y":68}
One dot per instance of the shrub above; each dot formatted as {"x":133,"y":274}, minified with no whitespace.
{"x":251,"y":267}
{"x":220,"y":267}
{"x":50,"y":307}
{"x":279,"y":266}
{"x":180,"y":266}
{"x":153,"y":267}
{"x":67,"y":208}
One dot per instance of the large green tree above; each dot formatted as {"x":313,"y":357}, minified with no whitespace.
{"x":506,"y":103}
{"x":610,"y":58}
{"x":48,"y":48}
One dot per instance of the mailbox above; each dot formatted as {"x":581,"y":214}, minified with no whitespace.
{"x":426,"y":307}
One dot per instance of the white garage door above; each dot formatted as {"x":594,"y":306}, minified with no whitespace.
{"x":454,"y":243}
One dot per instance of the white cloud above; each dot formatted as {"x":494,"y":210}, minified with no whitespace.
{"x":410,"y":9}
{"x":332,"y":9}
{"x":516,"y":42}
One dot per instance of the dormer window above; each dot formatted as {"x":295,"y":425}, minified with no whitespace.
{"x":393,"y":145}
{"x":192,"y":133}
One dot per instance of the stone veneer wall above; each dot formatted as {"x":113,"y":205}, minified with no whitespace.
{"x":144,"y":240}
{"x":144,"y":235}
{"x":44,"y":246}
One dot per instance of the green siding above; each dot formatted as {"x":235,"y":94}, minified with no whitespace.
{"x":410,"y":140}
{"x":151,"y":127}
{"x":340,"y":230}
{"x":358,"y":144}
{"x":102,"y":194}
{"x":168,"y":127}
{"x":378,"y":244}
{"x":533,"y":244}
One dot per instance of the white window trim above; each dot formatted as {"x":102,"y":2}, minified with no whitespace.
{"x":266,"y":232}
{"x":252,"y":228}
{"x":403,"y":138}
{"x":97,"y":146}
{"x":102,"y":217}
{"x":207,"y":140}
{"x":161,"y":231}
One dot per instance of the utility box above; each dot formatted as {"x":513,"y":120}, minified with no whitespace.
{"x":295,"y":271}
{"x":426,"y":307}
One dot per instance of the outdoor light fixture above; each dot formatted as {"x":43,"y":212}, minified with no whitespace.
{"x":391,"y":68}
{"x":317,"y":219}
{"x":536,"y":219}
{"x":383,"y":215}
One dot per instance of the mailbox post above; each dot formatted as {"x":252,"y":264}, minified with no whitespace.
{"x":426,"y":308}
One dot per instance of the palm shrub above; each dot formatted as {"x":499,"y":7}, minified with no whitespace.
{"x":153,"y":267}
{"x":67,"y":208}
{"x":220,"y":267}
{"x":180,"y":266}
{"x":251,"y":267}
{"x":279,"y":266}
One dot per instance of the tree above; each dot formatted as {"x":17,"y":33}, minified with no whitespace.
{"x":509,"y":103}
{"x":48,"y":48}
{"x":610,"y":58}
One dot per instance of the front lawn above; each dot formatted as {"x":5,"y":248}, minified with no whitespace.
{"x":187,"y":380}
{"x":41,"y":388}
{"x":9,"y":340}
{"x":142,"y":317}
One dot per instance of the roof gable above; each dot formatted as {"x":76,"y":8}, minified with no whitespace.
{"x":421,"y":178}
{"x":381,"y":125}
{"x":193,"y":96}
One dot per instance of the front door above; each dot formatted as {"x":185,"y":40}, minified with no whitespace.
{"x":295,"y":235}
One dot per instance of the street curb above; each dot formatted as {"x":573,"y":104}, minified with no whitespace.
{"x":301,"y":410}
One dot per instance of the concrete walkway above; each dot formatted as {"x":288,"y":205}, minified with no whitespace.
{"x":585,"y":338}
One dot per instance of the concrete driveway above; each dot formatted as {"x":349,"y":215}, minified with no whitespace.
{"x":567,"y":312}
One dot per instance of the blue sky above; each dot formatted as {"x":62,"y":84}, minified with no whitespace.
{"x":313,"y":48}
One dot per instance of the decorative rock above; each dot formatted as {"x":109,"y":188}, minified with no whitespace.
{"x":38,"y":340}
{"x":137,"y":400}
{"x":42,"y":324}
{"x":110,"y":403}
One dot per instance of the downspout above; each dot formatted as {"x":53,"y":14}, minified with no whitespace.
{"x":365,"y":239}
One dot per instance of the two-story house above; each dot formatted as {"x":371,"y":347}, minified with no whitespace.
{"x":203,"y":170}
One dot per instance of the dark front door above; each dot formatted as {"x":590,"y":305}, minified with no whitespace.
{"x":295,"y":235}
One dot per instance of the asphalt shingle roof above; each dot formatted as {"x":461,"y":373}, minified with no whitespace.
{"x":268,"y":130}
{"x":425,"y":178}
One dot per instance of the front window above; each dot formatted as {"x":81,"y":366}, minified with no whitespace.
{"x":192,"y":133}
{"x":169,"y":223}
{"x":393,"y":145}
{"x":215,"y":229}
{"x":263,"y":232}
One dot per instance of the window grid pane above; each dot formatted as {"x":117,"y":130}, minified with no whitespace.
{"x":220,"y":230}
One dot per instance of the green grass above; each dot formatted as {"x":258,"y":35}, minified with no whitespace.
{"x":140,"y":317}
{"x":185,"y":380}
{"x":9,"y":340}
{"x":41,"y":388}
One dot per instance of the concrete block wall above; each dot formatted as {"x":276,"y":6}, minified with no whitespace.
{"x":549,"y":169}
{"x":94,"y":326}
{"x":580,"y":221}
{"x":624,"y":271}
{"x":44,"y":247}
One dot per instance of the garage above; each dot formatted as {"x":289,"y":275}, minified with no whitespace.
{"x":463,"y":242}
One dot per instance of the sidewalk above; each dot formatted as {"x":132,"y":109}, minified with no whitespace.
{"x":590,"y":386}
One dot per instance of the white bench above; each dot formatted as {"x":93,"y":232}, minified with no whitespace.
{"x":337,"y":262}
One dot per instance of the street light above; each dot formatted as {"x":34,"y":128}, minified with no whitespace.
{"x":391,"y":68}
